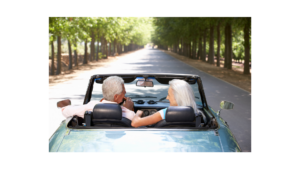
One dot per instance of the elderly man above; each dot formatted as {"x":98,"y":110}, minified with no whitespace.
{"x":113,"y":92}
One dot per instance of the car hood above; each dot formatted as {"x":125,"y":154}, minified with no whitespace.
{"x":140,"y":141}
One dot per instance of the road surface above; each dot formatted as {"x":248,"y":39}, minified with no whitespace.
{"x":156,"y":61}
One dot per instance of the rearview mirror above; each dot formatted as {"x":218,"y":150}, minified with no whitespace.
{"x":226,"y":105}
{"x":63,"y":103}
{"x":144,"y":83}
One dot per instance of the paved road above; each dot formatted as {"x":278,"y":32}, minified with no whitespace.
{"x":156,"y":61}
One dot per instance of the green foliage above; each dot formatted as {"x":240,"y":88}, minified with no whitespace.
{"x":169,"y":30}
{"x":100,"y":55}
{"x":124,"y":30}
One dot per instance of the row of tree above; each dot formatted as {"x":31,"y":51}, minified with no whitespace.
{"x":122,"y":34}
{"x":189,"y":36}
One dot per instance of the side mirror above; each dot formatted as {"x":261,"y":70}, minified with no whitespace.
{"x":226,"y":105}
{"x":144,"y":83}
{"x":63,"y":103}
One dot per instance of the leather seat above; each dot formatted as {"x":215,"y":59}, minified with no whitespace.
{"x":178,"y":116}
{"x":107,"y":115}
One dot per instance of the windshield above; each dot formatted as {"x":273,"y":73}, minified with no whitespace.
{"x":158,"y":92}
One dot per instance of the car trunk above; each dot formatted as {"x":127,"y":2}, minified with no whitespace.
{"x":140,"y":140}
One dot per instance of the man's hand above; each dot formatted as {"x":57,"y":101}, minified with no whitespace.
{"x":63,"y":103}
{"x":139,"y":113}
{"x":128,"y":104}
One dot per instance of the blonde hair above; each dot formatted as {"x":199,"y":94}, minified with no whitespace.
{"x":183,"y":94}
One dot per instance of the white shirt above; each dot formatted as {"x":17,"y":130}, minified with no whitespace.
{"x":70,"y":111}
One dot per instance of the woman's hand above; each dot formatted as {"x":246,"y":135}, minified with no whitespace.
{"x":139,"y":113}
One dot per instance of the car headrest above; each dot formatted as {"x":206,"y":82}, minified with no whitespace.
{"x":107,"y":111}
{"x":180,"y":114}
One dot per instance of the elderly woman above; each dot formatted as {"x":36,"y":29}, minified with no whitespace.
{"x":180,"y":93}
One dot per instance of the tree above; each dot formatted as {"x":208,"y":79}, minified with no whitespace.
{"x":52,"y":58}
{"x":58,"y":67}
{"x":84,"y":25}
{"x":199,"y":45}
{"x":117,"y":30}
{"x":219,"y":43}
{"x":211,"y":54}
{"x":56,"y":27}
{"x":204,"y":45}
{"x":228,"y":45}
{"x":52,"y":38}
{"x":70,"y":55}
{"x":247,"y":45}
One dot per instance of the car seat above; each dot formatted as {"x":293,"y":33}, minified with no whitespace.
{"x":106,"y":115}
{"x":178,"y":116}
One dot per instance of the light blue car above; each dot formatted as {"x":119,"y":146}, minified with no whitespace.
{"x":181,"y":131}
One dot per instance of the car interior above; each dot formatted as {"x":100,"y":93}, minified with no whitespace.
{"x":109,"y":115}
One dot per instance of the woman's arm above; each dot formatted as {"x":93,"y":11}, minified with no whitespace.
{"x":137,"y":121}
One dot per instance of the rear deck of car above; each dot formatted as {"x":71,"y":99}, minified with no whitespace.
{"x":140,"y":141}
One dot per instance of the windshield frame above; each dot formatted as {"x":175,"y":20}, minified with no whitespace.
{"x":162,"y":78}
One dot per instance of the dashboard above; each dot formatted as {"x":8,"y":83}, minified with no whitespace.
{"x":148,"y":112}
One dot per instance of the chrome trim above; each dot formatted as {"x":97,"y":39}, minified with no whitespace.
{"x":142,"y":129}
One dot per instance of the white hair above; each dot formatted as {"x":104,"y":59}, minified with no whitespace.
{"x":112,"y":86}
{"x":183,"y":94}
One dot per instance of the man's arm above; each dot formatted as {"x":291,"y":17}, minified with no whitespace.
{"x":70,"y":111}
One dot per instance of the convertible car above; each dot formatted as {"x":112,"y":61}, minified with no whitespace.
{"x":105,"y":130}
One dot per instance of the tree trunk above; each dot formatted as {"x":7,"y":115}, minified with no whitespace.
{"x":247,"y":47}
{"x":226,"y":47}
{"x":109,"y":49}
{"x":177,"y":46}
{"x":114,"y":48}
{"x":85,"y":58}
{"x":180,"y":49}
{"x":204,"y":46}
{"x":92,"y":53}
{"x":195,"y":48}
{"x":120,"y":48}
{"x":106,"y":50}
{"x":229,"y":47}
{"x":219,"y":45}
{"x":70,"y":55}
{"x":200,"y":48}
{"x":186,"y":49}
{"x":102,"y":46}
{"x":189,"y":49}
{"x":97,"y":50}
{"x":52,"y":58}
{"x":183,"y":48}
{"x":58,"y":67}
{"x":211,"y":59}
{"x":75,"y":55}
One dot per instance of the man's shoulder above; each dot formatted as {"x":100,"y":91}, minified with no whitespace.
{"x":93,"y":102}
